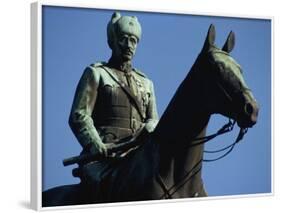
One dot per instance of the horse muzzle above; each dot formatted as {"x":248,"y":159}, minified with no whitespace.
{"x":249,"y":115}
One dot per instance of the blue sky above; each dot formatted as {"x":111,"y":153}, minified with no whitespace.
{"x":74,"y":38}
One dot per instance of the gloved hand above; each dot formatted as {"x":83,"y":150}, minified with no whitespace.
{"x":97,"y":149}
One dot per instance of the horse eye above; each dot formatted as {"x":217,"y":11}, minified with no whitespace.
{"x":221,"y":66}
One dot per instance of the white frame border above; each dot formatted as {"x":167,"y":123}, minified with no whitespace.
{"x":36,"y":94}
{"x":36,"y":106}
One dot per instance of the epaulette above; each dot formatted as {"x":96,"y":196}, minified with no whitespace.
{"x":140,"y":73}
{"x":98,"y":64}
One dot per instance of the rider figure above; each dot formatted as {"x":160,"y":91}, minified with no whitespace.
{"x":113,"y":100}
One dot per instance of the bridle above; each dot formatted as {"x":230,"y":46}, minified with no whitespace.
{"x":228,"y":127}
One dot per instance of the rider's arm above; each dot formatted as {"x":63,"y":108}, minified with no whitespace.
{"x":80,"y":119}
{"x":151,"y":114}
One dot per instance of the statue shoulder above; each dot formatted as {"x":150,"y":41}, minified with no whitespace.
{"x":140,"y":73}
{"x":96,"y":68}
{"x":97,"y":65}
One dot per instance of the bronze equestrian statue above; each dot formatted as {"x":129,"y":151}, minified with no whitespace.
{"x":127,"y":154}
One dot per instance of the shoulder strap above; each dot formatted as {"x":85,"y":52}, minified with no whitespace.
{"x":98,"y":64}
{"x":139,"y":73}
{"x":127,"y":91}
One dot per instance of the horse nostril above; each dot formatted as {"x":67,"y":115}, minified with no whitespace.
{"x":249,"y":109}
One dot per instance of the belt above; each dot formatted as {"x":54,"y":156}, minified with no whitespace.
{"x":119,"y":122}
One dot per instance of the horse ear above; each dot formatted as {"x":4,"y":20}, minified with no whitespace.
{"x":211,"y":36}
{"x":230,"y":42}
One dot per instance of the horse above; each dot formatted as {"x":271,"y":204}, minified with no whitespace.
{"x":168,"y":163}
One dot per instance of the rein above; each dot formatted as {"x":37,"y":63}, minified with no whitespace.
{"x":224,"y":129}
{"x":240,"y":136}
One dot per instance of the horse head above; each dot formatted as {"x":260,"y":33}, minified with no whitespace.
{"x":224,"y":77}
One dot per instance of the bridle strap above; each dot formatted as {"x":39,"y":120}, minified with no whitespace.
{"x":164,"y":187}
{"x":226,"y":128}
{"x":177,"y":186}
{"x":240,"y":136}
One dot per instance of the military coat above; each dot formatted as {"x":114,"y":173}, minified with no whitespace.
{"x":103,"y":112}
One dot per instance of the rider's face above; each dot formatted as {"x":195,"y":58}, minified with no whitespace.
{"x":125,"y":46}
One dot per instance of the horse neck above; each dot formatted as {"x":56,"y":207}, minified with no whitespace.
{"x":187,"y":115}
{"x":185,"y":119}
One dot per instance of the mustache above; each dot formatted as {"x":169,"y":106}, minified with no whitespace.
{"x":126,"y":49}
